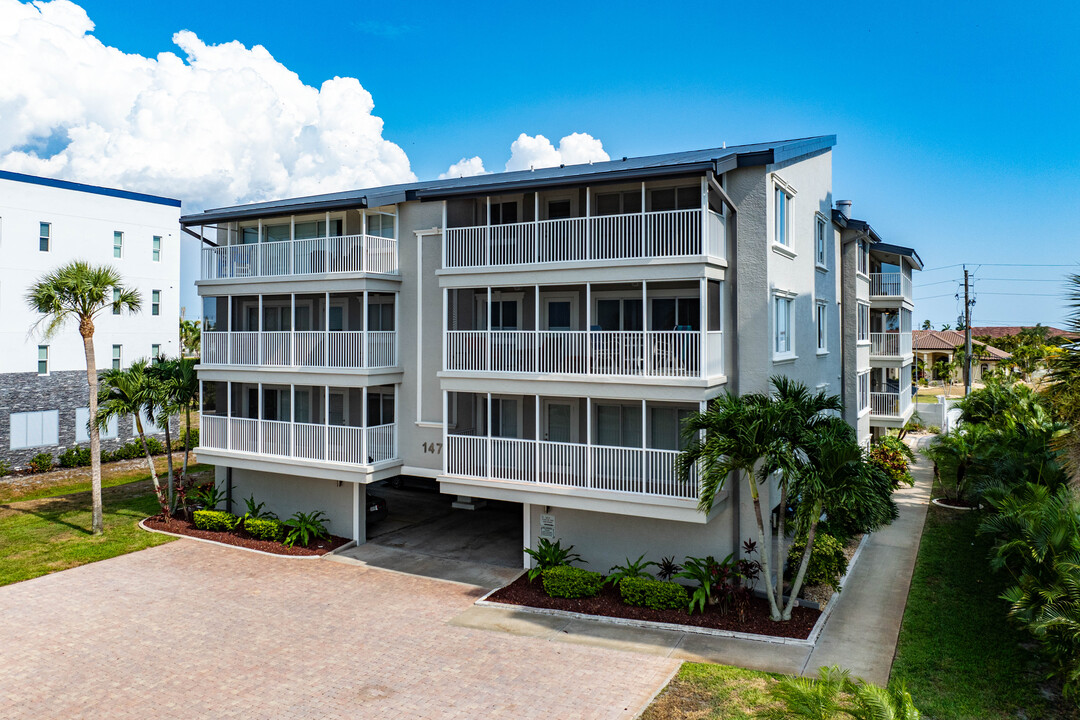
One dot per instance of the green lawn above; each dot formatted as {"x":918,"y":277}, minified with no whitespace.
{"x":958,"y":655}
{"x":712,"y":692}
{"x":110,"y":477}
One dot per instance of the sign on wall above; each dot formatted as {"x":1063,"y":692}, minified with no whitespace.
{"x":547,"y":526}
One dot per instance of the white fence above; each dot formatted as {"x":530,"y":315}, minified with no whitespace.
{"x":640,"y":471}
{"x":887,"y":403}
{"x":890,"y":284}
{"x":668,"y":233}
{"x":343,"y":254}
{"x":894,"y":344}
{"x":652,"y":353}
{"x":303,"y":441}
{"x":302,"y":348}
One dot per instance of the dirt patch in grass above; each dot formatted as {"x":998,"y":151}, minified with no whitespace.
{"x":14,"y":488}
{"x":609,"y":604}
{"x":716,"y":692}
{"x":242,"y":539}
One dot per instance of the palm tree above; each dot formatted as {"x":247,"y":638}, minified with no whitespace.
{"x":955,"y":454}
{"x":926,"y":325}
{"x":162,"y":407}
{"x":833,"y":694}
{"x":1065,"y":390}
{"x":737,"y":435}
{"x":177,"y":387}
{"x":190,"y":337}
{"x":131,"y":392}
{"x":803,"y":413}
{"x":79,"y":291}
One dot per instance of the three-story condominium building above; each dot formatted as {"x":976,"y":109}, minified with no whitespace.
{"x":533,"y":337}
{"x":46,"y":223}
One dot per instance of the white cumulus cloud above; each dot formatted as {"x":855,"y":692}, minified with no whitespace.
{"x":538,"y":152}
{"x":465,"y":167}
{"x":216,"y":125}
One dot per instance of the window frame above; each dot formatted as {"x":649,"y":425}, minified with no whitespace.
{"x":118,"y":247}
{"x":117,"y":357}
{"x":863,"y":395}
{"x":821,"y":242}
{"x":862,"y":323}
{"x":53,"y":440}
{"x":862,"y":262}
{"x":47,"y":236}
{"x":155,"y":249}
{"x":821,"y":325}
{"x":782,"y":214}
{"x":116,"y":301}
{"x":155,"y":302}
{"x":787,"y":301}
{"x":41,"y":360}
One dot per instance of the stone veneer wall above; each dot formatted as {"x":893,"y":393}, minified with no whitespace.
{"x":63,"y":391}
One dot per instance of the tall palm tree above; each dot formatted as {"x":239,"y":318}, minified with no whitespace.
{"x":177,"y":389}
{"x":737,"y":436}
{"x":803,"y":413}
{"x":956,"y":453}
{"x":161,"y":408}
{"x":79,"y":291}
{"x":926,"y":325}
{"x":131,"y":392}
{"x":1065,"y":374}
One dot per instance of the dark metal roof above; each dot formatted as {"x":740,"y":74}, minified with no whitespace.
{"x":93,"y":189}
{"x":907,"y":252}
{"x":717,"y":159}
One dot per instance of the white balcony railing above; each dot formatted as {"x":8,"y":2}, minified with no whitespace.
{"x":639,"y":471}
{"x":890,"y":285}
{"x":652,"y":353}
{"x":894,"y":344}
{"x":301,"y":441}
{"x":302,"y":349}
{"x":889,"y":403}
{"x":668,"y":233}
{"x":342,"y":254}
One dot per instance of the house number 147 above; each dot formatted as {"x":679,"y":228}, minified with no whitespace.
{"x":434,"y":448}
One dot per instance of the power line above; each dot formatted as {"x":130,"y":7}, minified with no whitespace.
{"x":955,"y":265}
{"x":1015,"y":294}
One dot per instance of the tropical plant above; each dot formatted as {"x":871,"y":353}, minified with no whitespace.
{"x":306,"y":527}
{"x":5,"y":468}
{"x":1064,"y":393}
{"x":548,"y":555}
{"x":42,"y":462}
{"x":567,"y":581}
{"x":632,"y":569}
{"x":926,"y":325}
{"x":866,"y":506}
{"x":79,"y":291}
{"x":208,"y":496}
{"x":74,"y":457}
{"x":953,"y":456}
{"x":161,"y":408}
{"x":891,"y":455}
{"x":828,"y":563}
{"x":131,"y":392}
{"x":667,"y":568}
{"x":833,"y":694}
{"x":705,"y":572}
{"x":190,"y":337}
{"x":255,"y":510}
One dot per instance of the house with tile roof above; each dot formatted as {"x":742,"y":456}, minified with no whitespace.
{"x":934,"y":346}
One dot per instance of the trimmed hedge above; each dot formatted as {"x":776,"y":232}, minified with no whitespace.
{"x":74,"y":457}
{"x":265,"y":529}
{"x":827,"y":561}
{"x":566,"y":581}
{"x":653,"y":594}
{"x":215,"y":520}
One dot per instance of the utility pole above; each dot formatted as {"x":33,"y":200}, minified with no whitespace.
{"x":967,"y":335}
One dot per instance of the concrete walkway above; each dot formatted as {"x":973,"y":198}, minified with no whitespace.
{"x":860,"y":634}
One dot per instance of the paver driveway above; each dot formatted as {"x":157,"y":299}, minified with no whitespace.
{"x":190,"y":630}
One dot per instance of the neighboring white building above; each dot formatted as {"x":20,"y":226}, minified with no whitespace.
{"x":46,"y":223}
{"x":533,"y":337}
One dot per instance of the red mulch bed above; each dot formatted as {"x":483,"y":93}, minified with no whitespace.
{"x":609,"y":604}
{"x":242,"y":539}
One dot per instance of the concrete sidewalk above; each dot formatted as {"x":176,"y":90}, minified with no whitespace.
{"x":860,"y":634}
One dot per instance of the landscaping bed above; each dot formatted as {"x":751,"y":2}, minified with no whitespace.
{"x":608,"y":603}
{"x":241,"y":539}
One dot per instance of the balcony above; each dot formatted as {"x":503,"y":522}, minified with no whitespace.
{"x":347,"y":254}
{"x":343,"y":445}
{"x":595,"y":353}
{"x":890,"y":344}
{"x":633,"y":471}
{"x":357,"y":349}
{"x":890,"y":285}
{"x":640,"y":236}
{"x":890,"y":404}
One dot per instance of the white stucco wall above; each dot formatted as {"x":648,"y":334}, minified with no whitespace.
{"x":287,"y":494}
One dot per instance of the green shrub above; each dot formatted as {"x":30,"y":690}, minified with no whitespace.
{"x":215,"y":520}
{"x":74,"y":457}
{"x":209,"y":496}
{"x":42,"y":462}
{"x":156,"y":446}
{"x":632,"y":569}
{"x":888,"y":455}
{"x":653,"y":594}
{"x":5,"y":468}
{"x":306,"y":527}
{"x":548,"y":555}
{"x":934,"y":429}
{"x":566,"y":581}
{"x":265,"y":528}
{"x":827,"y":561}
{"x":193,"y":439}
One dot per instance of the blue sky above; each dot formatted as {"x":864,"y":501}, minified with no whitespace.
{"x":956,"y":122}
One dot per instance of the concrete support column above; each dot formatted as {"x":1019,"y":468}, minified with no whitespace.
{"x":526,"y":534}
{"x":359,"y":528}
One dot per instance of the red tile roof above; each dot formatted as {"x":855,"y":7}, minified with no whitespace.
{"x":950,"y":340}
{"x":1006,"y":330}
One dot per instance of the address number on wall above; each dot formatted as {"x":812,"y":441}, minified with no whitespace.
{"x":433,"y":448}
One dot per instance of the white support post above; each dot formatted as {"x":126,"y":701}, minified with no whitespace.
{"x":588,"y":223}
{"x":589,"y":359}
{"x":357,"y":509}
{"x":292,"y":420}
{"x":644,"y":459}
{"x":642,"y":218}
{"x":326,"y":350}
{"x":258,"y":247}
{"x":445,"y":324}
{"x":232,"y":329}
{"x":397,"y":313}
{"x":259,"y":423}
{"x":445,"y":429}
{"x":487,"y":345}
{"x":444,"y":248}
{"x":536,"y":325}
{"x":228,"y":415}
{"x":394,"y":449}
{"x":536,"y":224}
{"x":363,"y":426}
{"x":526,"y":525}
{"x":363,"y":241}
{"x":645,"y":328}
{"x":536,"y":438}
{"x":487,"y":444}
{"x":364,"y":359}
{"x":703,"y":332}
{"x":588,"y":443}
{"x":292,"y":330}
{"x":326,"y":422}
{"x":704,"y":215}
{"x":487,"y":232}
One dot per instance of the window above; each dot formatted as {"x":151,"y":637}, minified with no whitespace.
{"x":864,"y":323}
{"x":42,"y":359}
{"x":157,"y":248}
{"x":864,"y":390}
{"x":117,"y":244}
{"x":820,"y":242}
{"x":117,"y":356}
{"x":155,"y":354}
{"x":44,"y":236}
{"x":504,"y":417}
{"x":617,"y":314}
{"x":155,"y":302}
{"x":82,"y":427}
{"x":864,"y":257}
{"x":504,"y":212}
{"x":684,"y":198}
{"x":115,"y":301}
{"x":665,"y":427}
{"x":558,"y":209}
{"x":504,"y":314}
{"x":618,"y":425}
{"x":380,"y":316}
{"x":675,"y":314}
{"x":380,"y":408}
{"x":35,"y":429}
{"x":618,"y":203}
{"x":715,"y":316}
{"x":782,"y":220}
{"x":822,"y":319}
{"x":782,"y":341}
{"x":381,"y":225}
